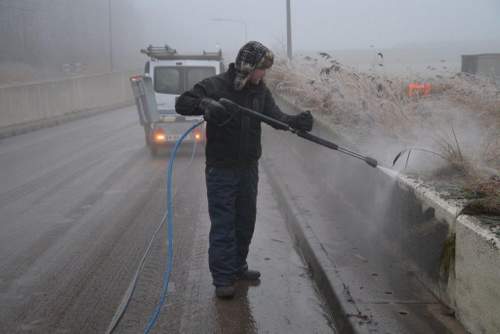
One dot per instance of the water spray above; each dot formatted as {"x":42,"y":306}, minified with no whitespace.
{"x":306,"y":135}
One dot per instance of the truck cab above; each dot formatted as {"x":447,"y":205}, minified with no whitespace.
{"x":167,"y":74}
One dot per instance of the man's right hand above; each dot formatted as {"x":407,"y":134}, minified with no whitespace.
{"x":213,"y":111}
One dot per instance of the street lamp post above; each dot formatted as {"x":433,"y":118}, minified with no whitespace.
{"x":288,"y":30}
{"x":110,"y":32}
{"x":235,"y":21}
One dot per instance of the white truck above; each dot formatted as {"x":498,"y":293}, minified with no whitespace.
{"x":167,"y":74}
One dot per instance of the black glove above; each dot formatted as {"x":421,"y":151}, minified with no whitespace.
{"x":230,"y":106}
{"x":213,"y":111}
{"x":302,"y":121}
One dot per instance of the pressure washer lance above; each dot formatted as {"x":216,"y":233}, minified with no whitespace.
{"x":306,"y":135}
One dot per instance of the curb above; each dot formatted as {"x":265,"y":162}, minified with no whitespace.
{"x":323,"y":271}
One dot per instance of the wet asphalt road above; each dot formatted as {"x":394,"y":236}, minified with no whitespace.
{"x":78,"y":205}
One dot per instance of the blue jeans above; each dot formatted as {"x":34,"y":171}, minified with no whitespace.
{"x":232,"y":205}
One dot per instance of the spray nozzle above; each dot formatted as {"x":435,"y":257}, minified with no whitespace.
{"x":372,"y":162}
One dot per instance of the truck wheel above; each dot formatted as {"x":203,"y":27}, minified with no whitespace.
{"x":154,"y":150}
{"x":146,"y":135}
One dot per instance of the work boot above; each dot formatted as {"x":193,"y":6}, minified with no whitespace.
{"x":225,"y":291}
{"x":249,"y":275}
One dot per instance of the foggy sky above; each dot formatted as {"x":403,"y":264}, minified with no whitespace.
{"x":44,"y":39}
{"x":322,"y":24}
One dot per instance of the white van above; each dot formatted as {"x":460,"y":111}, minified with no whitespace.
{"x":171,"y":74}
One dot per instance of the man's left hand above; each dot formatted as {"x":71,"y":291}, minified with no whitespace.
{"x":302,"y":121}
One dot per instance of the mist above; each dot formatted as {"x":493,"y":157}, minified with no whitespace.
{"x":83,"y":181}
{"x":49,"y":39}
{"x":324,"y":24}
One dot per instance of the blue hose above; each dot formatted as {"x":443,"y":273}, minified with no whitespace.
{"x":170,"y":231}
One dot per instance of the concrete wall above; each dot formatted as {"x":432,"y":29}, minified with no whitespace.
{"x":22,"y":105}
{"x":457,"y":259}
{"x":466,"y":272}
{"x":477,"y":277}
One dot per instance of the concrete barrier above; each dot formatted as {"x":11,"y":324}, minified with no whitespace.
{"x":465,"y":268}
{"x":458,"y":260}
{"x":29,"y":106}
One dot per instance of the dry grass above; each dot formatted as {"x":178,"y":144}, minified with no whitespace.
{"x":460,"y":120}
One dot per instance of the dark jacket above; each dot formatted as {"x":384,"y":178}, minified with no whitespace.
{"x":236,"y":143}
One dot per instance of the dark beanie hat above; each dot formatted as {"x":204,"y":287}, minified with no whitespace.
{"x":253,"y":55}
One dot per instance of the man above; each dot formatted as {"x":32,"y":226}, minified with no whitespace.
{"x":232,"y":152}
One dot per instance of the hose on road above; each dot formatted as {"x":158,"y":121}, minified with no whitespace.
{"x":168,"y":217}
{"x":170,"y":230}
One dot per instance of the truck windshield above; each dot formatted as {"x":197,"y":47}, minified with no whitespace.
{"x":176,"y":80}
